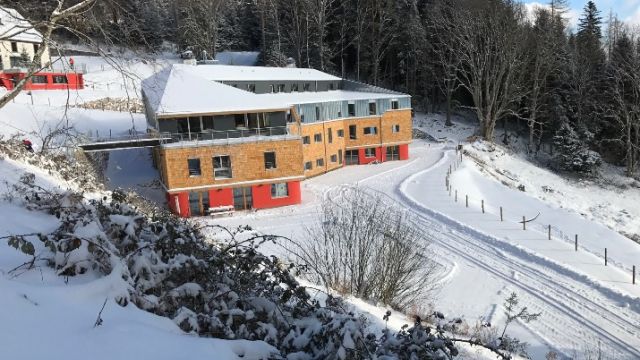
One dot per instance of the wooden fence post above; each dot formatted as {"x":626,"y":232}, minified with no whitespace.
{"x":576,"y":242}
{"x":524,"y":223}
{"x":501,"y":218}
{"x":549,"y":232}
{"x":483,"y":206}
{"x":605,"y":256}
{"x":466,"y":197}
{"x":456,"y":195}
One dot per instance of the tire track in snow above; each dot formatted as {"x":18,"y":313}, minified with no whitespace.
{"x":553,"y":289}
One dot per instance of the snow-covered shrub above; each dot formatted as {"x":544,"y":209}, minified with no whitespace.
{"x":365,"y":245}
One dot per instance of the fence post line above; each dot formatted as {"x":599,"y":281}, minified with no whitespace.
{"x":456,"y":195}
{"x":524,"y":223}
{"x":483,"y":206}
{"x":605,"y":256}
{"x":449,"y":190}
{"x":466,"y":197}
{"x":501,"y":218}
{"x":549,"y":232}
{"x":576,"y":242}
{"x":633,"y":279}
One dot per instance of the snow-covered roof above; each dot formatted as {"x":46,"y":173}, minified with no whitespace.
{"x":238,"y":58}
{"x":16,"y":28}
{"x":187,"y":89}
{"x":176,"y":91}
{"x":256,"y":73}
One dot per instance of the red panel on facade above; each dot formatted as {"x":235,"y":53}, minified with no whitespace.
{"x":75,"y":81}
{"x":262,"y":196}
{"x":179,"y":204}
{"x":403,"y":152}
{"x":221,"y":197}
{"x":381,"y":154}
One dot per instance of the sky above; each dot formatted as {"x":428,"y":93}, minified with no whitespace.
{"x":627,"y":10}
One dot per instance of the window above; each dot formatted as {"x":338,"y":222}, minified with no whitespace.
{"x":251,"y":87}
{"x":239,"y":120}
{"x":370,"y":152}
{"x":319,"y":162}
{"x":280,"y":87}
{"x":270,"y":160}
{"x":35,"y":48}
{"x":294,"y":87}
{"x":330,"y":86}
{"x":340,"y":132}
{"x":330,"y":136}
{"x":59,"y":79}
{"x":352,"y":109}
{"x":38,"y":79}
{"x":317,"y":113}
{"x":306,"y":87}
{"x":194,"y":167}
{"x":308,"y":166}
{"x":372,"y":108}
{"x":222,"y":167}
{"x":317,"y":137}
{"x":334,"y":158}
{"x":340,"y":156}
{"x":395,"y":128}
{"x":272,"y":88}
{"x":14,"y":47}
{"x":279,"y":190}
{"x":352,"y":132}
{"x":395,"y":105}
{"x":370,"y":130}
{"x":306,"y":140}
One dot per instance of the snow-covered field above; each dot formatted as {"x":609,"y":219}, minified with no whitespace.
{"x":585,"y":305}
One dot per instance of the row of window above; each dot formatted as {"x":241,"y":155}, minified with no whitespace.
{"x":351,"y":109}
{"x":279,"y":88}
{"x":335,"y":158}
{"x":14,"y":47}
{"x":353,"y":135}
{"x":222,"y":165}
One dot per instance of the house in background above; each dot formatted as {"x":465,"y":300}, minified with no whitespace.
{"x":19,"y":42}
{"x":244,"y":137}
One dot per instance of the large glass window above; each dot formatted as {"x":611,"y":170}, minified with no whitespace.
{"x":270,"y":160}
{"x":352,"y":109}
{"x":340,"y":132}
{"x":194,"y":167}
{"x":372,"y":108}
{"x":60,"y":79}
{"x":222,"y":167}
{"x":370,"y":130}
{"x":352,"y":132}
{"x":395,"y":105}
{"x":38,"y":79}
{"x":279,"y":190}
{"x":370,"y":152}
{"x":317,"y":137}
{"x":319,"y":162}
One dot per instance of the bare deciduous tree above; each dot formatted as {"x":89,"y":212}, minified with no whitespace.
{"x":365,"y":245}
{"x":487,"y":39}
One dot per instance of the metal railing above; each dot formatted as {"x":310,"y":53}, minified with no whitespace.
{"x":225,"y":135}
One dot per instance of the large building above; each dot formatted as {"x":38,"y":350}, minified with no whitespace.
{"x":245,"y":137}
{"x":19,"y":42}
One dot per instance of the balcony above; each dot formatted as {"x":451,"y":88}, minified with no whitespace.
{"x":225,"y":137}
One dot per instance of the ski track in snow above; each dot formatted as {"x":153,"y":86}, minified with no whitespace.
{"x":576,"y":310}
{"x":570,"y":307}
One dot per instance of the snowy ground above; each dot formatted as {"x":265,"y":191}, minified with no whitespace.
{"x":582,"y":302}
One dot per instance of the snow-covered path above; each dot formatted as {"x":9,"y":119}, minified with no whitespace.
{"x":579,"y":311}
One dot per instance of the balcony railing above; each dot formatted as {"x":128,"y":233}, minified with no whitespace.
{"x":226,"y":136}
